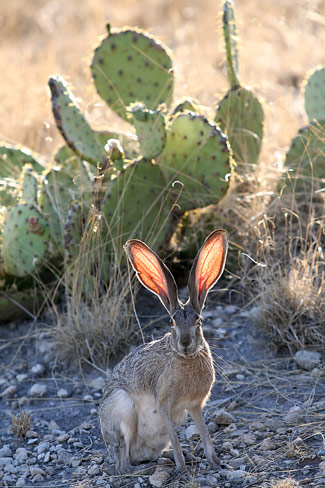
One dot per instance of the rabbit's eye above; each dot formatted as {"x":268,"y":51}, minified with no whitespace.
{"x":171,"y":322}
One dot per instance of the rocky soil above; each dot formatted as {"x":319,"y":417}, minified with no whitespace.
{"x":266,"y":416}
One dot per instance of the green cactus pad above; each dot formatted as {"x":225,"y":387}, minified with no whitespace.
{"x":55,"y":199}
{"x":137,"y":206}
{"x":230,"y":35}
{"x":77,"y":169}
{"x":150,"y":128}
{"x":197,"y":155}
{"x":305,"y":160}
{"x":128,"y":141}
{"x":240,"y":115}
{"x":315,"y":95}
{"x":73,"y":126}
{"x":25,"y":239}
{"x":29,"y":186}
{"x":12,"y":160}
{"x":8,"y":192}
{"x":132,"y":66}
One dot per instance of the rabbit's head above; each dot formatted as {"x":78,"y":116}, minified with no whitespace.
{"x":185,"y":318}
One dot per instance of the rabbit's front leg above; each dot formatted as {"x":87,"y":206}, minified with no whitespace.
{"x":178,"y":455}
{"x":196,"y":414}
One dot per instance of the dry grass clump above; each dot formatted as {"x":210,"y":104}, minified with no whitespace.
{"x":21,"y":423}
{"x":290,"y":284}
{"x":286,"y":483}
{"x":96,"y":323}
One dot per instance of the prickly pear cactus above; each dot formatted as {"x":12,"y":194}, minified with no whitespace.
{"x":305,"y":160}
{"x":56,"y":196}
{"x":198,"y":156}
{"x":137,"y":206}
{"x":239,"y":114}
{"x":132,"y":66}
{"x":8,"y":192}
{"x":73,"y":126}
{"x":25,"y":239}
{"x":315,"y":95}
{"x":28,"y":185}
{"x":150,"y":128}
{"x":12,"y":160}
{"x":230,"y":35}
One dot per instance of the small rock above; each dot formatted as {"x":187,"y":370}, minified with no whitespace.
{"x":222,"y":417}
{"x":34,"y":470}
{"x":5,"y":460}
{"x":267,"y":445}
{"x":38,"y":390}
{"x":294,"y":416}
{"x":98,"y":383}
{"x":63,"y":437}
{"x":307,"y":360}
{"x":47,"y":457}
{"x":31,"y":434}
{"x":38,"y":369}
{"x":42,"y":447}
{"x":257,"y":426}
{"x":249,"y":439}
{"x":53,"y":426}
{"x":191,"y":433}
{"x":5,"y":451}
{"x":238,"y":462}
{"x":21,"y":481}
{"x":87,"y":398}
{"x":230,"y":309}
{"x":64,"y":456}
{"x":21,"y":377}
{"x":94,"y":470}
{"x":9,"y":392}
{"x":212,"y":428}
{"x":37,"y":478}
{"x":159,"y":477}
{"x":62,"y":393}
{"x":21,"y":454}
{"x":236,"y":475}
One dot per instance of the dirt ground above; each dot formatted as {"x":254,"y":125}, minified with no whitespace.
{"x":266,"y":415}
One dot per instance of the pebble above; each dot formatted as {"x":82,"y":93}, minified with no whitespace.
{"x":94,"y":470}
{"x":98,"y":383}
{"x":222,"y":417}
{"x":63,"y":437}
{"x":62,"y":393}
{"x":236,"y":475}
{"x":64,"y":456}
{"x":21,"y":481}
{"x":307,"y":360}
{"x":38,"y":369}
{"x":87,"y":398}
{"x":5,"y":451}
{"x":267,"y":445}
{"x":21,"y":377}
{"x":159,"y":477}
{"x":9,"y":392}
{"x":191,"y":433}
{"x":38,"y":390}
{"x":294,"y":416}
{"x":34,"y":470}
{"x":21,"y":454}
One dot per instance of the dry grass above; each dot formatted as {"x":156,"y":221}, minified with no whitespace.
{"x":96,"y":324}
{"x":286,"y":483}
{"x":21,"y":423}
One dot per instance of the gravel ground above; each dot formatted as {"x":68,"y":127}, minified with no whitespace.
{"x":266,"y":416}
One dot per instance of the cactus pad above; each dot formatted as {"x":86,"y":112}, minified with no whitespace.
{"x":150,"y":128}
{"x":196,"y":154}
{"x":73,"y":126}
{"x":130,"y":66}
{"x":137,"y":206}
{"x":29,"y":186}
{"x":12,"y":160}
{"x":315,"y":95}
{"x":230,"y":35}
{"x":56,"y":196}
{"x":25,"y":239}
{"x":305,"y":159}
{"x":189,"y":104}
{"x":240,"y":115}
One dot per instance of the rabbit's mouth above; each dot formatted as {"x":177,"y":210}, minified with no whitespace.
{"x":188,"y":353}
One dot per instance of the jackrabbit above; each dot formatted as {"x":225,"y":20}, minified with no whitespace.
{"x":150,"y":390}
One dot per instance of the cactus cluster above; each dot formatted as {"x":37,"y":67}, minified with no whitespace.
{"x":138,"y":186}
{"x":305,"y":159}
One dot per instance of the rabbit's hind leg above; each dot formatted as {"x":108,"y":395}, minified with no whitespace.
{"x":118,"y":421}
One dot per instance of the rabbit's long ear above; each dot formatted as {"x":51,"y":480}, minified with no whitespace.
{"x":153,"y":273}
{"x":207,"y":267}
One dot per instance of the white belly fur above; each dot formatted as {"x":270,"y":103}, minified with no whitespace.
{"x":151,"y":433}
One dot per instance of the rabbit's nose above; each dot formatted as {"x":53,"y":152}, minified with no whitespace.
{"x":185,"y":341}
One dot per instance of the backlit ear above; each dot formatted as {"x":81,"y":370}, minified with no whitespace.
{"x":153,"y":273}
{"x":207,"y":268}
